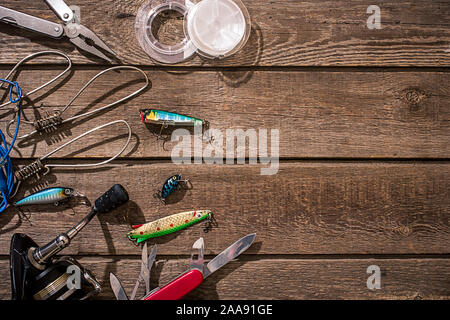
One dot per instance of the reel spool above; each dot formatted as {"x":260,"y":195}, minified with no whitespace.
{"x":161,"y":52}
{"x":214,"y":29}
{"x":36,"y":274}
{"x":29,"y":283}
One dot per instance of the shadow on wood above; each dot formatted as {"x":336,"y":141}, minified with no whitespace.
{"x":64,"y":131}
{"x":164,"y":134}
{"x":219,"y":275}
{"x":29,"y":102}
{"x":62,"y":44}
{"x":253,"y":51}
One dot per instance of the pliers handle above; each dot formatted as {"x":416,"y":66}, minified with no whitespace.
{"x":78,"y":34}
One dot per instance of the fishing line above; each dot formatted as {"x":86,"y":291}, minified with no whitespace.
{"x":52,"y":121}
{"x":6,"y":172}
{"x":11,"y":180}
{"x":15,"y":95}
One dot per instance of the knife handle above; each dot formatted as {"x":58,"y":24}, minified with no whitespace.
{"x":179,"y":287}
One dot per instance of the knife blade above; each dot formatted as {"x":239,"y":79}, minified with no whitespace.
{"x":199,"y":262}
{"x":228,"y":254}
{"x":143,"y":276}
{"x":150,"y":261}
{"x":191,"y":279}
{"x":117,"y":288}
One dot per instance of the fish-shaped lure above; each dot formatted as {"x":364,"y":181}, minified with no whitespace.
{"x":49,"y":195}
{"x":165,"y":118}
{"x":167,"y":225}
{"x":169,"y":186}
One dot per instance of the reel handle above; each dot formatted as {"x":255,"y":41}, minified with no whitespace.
{"x":114,"y":197}
{"x":111,"y":199}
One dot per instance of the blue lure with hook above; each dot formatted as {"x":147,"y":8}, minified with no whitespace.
{"x":169,"y":186}
{"x":49,"y":195}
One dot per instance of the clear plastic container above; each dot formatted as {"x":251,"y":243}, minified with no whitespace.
{"x":213,"y":28}
{"x":153,"y":47}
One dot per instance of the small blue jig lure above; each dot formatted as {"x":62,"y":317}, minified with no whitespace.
{"x":169,"y":186}
{"x":50,"y":195}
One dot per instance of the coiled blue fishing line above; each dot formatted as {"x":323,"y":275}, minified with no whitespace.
{"x":6,"y":172}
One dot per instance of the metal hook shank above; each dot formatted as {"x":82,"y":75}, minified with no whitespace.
{"x":133,"y":94}
{"x":32,"y":56}
{"x":85,"y":134}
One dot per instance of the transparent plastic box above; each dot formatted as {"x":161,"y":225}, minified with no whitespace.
{"x":214,"y":29}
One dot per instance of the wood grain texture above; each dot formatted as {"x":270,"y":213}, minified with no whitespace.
{"x":318,"y":114}
{"x":284,"y":33}
{"x":314,"y":279}
{"x":364,"y":177}
{"x":306,"y":208}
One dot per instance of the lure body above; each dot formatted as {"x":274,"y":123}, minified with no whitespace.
{"x":50,"y":195}
{"x":155,"y":116}
{"x":167,"y":225}
{"x":170,"y":185}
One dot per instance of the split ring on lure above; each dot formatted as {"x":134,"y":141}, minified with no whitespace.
{"x":166,"y":119}
{"x":167,"y":225}
{"x":49,"y":195}
{"x":169,"y":186}
{"x":50,"y":122}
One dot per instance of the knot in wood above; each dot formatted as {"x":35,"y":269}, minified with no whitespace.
{"x":413,"y":96}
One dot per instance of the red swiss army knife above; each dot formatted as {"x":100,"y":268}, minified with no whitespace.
{"x":187,"y":281}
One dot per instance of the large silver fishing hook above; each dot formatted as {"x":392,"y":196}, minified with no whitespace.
{"x":30,"y":57}
{"x":50,"y":122}
{"x":39,"y":169}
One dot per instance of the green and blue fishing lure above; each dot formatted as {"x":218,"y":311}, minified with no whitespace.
{"x":162,"y":117}
{"x":166,"y":119}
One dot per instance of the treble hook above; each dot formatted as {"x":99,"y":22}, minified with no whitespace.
{"x":23,"y":215}
{"x":37,"y":167}
{"x":209,"y":223}
{"x":51,"y":121}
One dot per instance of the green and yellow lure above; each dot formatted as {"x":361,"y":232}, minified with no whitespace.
{"x":155,"y":116}
{"x":167,"y":225}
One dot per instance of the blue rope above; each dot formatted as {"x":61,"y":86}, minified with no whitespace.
{"x":6,"y":172}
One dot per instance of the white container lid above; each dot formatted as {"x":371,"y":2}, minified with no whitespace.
{"x":213,"y":28}
{"x":217,"y":27}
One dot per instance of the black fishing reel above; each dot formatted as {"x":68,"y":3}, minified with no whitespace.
{"x":36,"y":274}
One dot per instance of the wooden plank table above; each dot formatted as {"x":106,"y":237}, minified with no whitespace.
{"x":363,"y":117}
